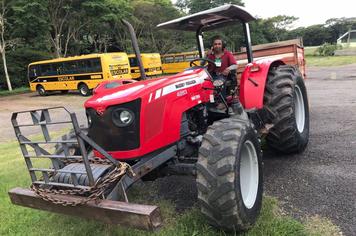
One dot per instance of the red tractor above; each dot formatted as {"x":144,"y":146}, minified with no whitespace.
{"x":146,"y":129}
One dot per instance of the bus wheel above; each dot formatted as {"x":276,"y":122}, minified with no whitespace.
{"x":84,"y":90}
{"x":41,"y":90}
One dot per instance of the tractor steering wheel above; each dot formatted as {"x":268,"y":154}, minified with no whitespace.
{"x":202,"y":60}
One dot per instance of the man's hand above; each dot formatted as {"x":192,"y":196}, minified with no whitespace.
{"x":226,"y":72}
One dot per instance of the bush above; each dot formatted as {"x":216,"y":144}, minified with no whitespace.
{"x":326,"y":49}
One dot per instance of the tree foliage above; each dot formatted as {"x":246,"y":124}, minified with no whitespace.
{"x":192,"y":6}
{"x":43,"y":29}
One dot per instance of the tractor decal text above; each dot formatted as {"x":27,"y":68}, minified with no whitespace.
{"x":192,"y":80}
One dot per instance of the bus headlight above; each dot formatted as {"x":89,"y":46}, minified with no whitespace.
{"x":122,"y":117}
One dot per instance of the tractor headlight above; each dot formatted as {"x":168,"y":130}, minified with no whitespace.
{"x":122,"y":117}
{"x":218,"y":82}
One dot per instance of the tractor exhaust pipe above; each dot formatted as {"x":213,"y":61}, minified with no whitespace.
{"x":135,"y":47}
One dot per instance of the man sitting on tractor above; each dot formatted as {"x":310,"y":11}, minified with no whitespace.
{"x":225,"y":64}
{"x":224,"y":60}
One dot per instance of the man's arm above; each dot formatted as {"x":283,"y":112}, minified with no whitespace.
{"x":232,"y":66}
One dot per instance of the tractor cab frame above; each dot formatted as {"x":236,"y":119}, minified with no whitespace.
{"x":213,"y":19}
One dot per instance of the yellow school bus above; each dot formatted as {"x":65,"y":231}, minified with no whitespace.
{"x":151,"y":63}
{"x":177,"y":62}
{"x":81,"y":73}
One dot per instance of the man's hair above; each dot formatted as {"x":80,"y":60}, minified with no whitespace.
{"x":218,"y":37}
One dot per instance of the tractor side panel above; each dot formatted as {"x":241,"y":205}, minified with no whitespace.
{"x":253,"y":81}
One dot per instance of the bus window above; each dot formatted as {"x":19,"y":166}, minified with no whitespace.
{"x":83,"y":66}
{"x":33,"y":72}
{"x":95,"y":65}
{"x":168,"y":59}
{"x":133,"y":61}
{"x":190,"y":57}
{"x":69,"y":67}
{"x":47,"y":70}
{"x":178,"y":58}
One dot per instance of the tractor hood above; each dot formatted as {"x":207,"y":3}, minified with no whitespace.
{"x":117,"y":92}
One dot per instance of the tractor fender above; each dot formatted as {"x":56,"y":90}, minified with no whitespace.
{"x":253,"y":81}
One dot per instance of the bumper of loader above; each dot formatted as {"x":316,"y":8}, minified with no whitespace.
{"x":113,"y":212}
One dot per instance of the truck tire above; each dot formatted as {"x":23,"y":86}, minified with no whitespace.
{"x":286,"y":106}
{"x":229,"y":175}
{"x":84,"y":89}
{"x":41,"y":90}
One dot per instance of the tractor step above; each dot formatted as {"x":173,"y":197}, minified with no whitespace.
{"x":132,"y":215}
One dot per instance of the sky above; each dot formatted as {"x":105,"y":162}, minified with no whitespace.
{"x":309,"y":12}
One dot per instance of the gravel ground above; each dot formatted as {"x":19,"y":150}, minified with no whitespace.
{"x":320,"y":181}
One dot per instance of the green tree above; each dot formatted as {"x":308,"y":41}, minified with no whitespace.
{"x":315,"y":35}
{"x":146,"y":16}
{"x":193,"y":6}
{"x":105,"y":16}
{"x":4,"y":42}
{"x":30,"y":23}
{"x":338,"y":26}
{"x":276,"y":28}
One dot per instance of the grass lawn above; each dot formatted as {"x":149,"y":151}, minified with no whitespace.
{"x":15,"y":220}
{"x":329,"y":61}
{"x":14,"y":91}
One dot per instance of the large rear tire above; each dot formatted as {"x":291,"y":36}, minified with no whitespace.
{"x":229,"y":175}
{"x":286,"y":106}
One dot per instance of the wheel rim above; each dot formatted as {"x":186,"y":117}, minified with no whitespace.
{"x":249,"y":174}
{"x":83,"y":90}
{"x":41,"y":90}
{"x":299,"y":109}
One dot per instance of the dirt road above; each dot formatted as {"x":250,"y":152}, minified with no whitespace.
{"x":29,"y":101}
{"x":320,"y":181}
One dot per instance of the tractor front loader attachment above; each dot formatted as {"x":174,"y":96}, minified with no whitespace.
{"x":67,"y":178}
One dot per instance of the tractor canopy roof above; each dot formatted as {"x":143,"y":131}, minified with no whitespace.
{"x":209,"y":19}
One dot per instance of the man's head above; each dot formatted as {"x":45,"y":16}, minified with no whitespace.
{"x":218,"y":44}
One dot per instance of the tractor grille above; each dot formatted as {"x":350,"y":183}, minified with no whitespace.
{"x":111,"y":137}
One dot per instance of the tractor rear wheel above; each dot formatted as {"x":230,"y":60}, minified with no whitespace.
{"x":229,"y":175}
{"x":286,"y":106}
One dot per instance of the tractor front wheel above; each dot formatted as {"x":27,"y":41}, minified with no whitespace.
{"x":286,"y":106}
{"x":229,"y":175}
